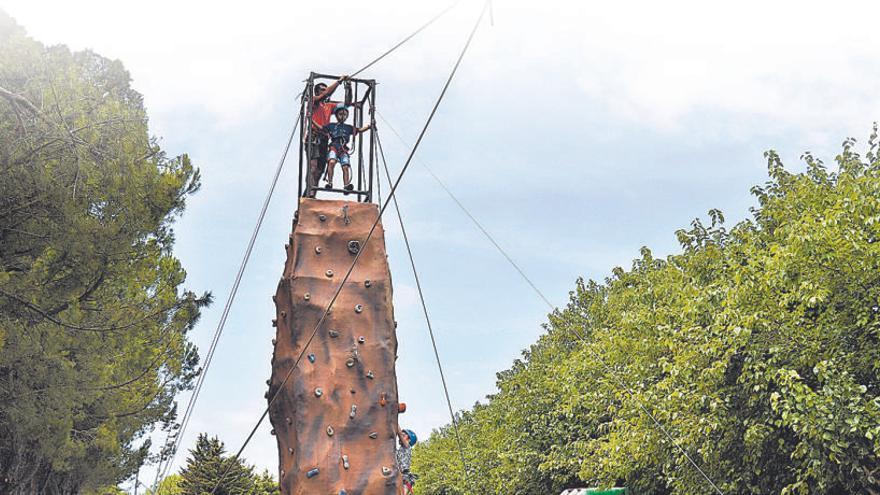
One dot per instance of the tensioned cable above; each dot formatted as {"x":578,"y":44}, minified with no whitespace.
{"x":472,"y":218}
{"x":412,"y":263}
{"x":540,"y":294}
{"x":210,"y":354}
{"x":225,"y":314}
{"x":363,"y":248}
{"x":404,"y":40}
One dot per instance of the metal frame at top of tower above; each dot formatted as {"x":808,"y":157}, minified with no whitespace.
{"x":360,"y":95}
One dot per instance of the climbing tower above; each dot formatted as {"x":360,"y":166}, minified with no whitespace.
{"x":335,"y":415}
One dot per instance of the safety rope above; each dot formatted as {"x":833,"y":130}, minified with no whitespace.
{"x":361,"y":251}
{"x":544,"y":298}
{"x":190,"y":407}
{"x":412,"y":263}
{"x":162,"y":472}
{"x":472,"y":218}
{"x":404,"y":40}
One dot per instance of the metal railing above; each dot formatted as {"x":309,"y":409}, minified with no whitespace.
{"x":360,"y":95}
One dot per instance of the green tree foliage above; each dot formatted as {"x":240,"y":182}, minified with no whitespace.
{"x":265,"y":484}
{"x":170,"y":485}
{"x":261,"y":484}
{"x":93,"y":313}
{"x":757,"y":348}
{"x":207,"y":468}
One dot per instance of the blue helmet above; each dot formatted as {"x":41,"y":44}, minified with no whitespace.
{"x":413,"y":439}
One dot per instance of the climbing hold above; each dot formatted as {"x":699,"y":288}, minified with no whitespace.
{"x":286,"y":247}
{"x":354,"y":247}
{"x":266,"y":395}
{"x":345,"y":462}
{"x":274,"y":341}
{"x":268,"y":381}
{"x":282,"y":473}
{"x":367,"y":283}
{"x":358,"y":308}
{"x":284,"y":314}
{"x":333,"y":333}
{"x":311,"y":358}
{"x":322,"y":217}
{"x":342,"y":492}
{"x":317,"y":249}
{"x":401,"y":408}
{"x":274,"y":299}
{"x":273,"y":431}
{"x":349,"y":362}
{"x":370,"y":374}
{"x":307,"y":296}
{"x":329,"y":273}
{"x":312,"y":473}
{"x":354,"y":409}
{"x":274,"y":322}
{"x":374,"y":435}
{"x":395,"y":323}
{"x":361,"y":339}
{"x":329,"y":431}
{"x":353,"y":391}
{"x":290,"y":450}
{"x":318,"y":392}
{"x":383,"y":401}
{"x":289,"y":421}
{"x":386,"y":470}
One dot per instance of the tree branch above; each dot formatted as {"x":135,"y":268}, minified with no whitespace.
{"x":20,"y":100}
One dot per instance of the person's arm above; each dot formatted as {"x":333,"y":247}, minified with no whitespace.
{"x":403,"y":437}
{"x":330,"y":89}
{"x":364,"y":128}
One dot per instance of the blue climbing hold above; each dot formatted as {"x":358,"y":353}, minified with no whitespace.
{"x":311,"y":358}
{"x":312,"y":473}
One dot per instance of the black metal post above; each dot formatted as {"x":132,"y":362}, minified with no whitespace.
{"x":357,"y":138}
{"x":299,"y":191}
{"x":372,"y":157}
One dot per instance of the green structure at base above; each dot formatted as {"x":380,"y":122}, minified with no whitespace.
{"x":596,"y":491}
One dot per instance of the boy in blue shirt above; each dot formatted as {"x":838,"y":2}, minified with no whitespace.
{"x":340,"y":133}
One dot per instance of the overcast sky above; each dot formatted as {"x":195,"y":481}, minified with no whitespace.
{"x":577,"y":132}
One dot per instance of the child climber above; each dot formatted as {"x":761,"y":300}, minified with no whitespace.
{"x":407,"y":439}
{"x":340,"y":133}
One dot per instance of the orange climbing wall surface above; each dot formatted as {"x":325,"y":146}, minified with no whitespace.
{"x":335,"y":418}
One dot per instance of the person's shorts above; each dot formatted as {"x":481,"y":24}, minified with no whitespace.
{"x":318,"y":148}
{"x":340,"y":156}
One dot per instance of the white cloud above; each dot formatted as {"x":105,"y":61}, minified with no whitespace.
{"x":651,"y":62}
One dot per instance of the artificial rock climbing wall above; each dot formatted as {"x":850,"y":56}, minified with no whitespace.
{"x":335,"y":417}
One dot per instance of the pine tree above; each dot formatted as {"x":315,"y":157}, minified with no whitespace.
{"x":265,"y":484}
{"x":207,"y":464}
{"x":94,"y":310}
